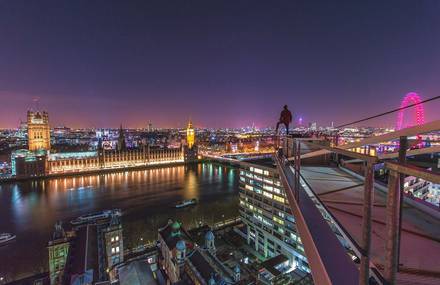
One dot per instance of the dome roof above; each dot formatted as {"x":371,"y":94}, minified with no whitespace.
{"x":209,"y":235}
{"x":211,"y":280}
{"x":175,"y":226}
{"x":180,"y":245}
{"x":237,"y":269}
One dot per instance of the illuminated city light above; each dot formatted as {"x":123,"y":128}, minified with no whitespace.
{"x":411,"y":98}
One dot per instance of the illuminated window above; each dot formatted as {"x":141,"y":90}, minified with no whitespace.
{"x":278,"y":198}
{"x":257,"y":170}
{"x":269,"y":181}
{"x":279,"y":221}
{"x":112,"y":239}
{"x":117,"y":238}
{"x":248,"y":187}
{"x":256,"y":177}
{"x":267,"y":194}
{"x":113,"y":250}
{"x":267,"y":223}
{"x":117,"y":249}
{"x":267,"y":187}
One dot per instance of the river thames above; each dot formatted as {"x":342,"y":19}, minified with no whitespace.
{"x":146,"y":197}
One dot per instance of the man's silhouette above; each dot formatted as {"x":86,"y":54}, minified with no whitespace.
{"x":285,"y":118}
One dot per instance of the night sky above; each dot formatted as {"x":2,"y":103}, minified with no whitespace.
{"x":222,"y":63}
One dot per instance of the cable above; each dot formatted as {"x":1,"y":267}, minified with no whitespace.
{"x":389,"y":112}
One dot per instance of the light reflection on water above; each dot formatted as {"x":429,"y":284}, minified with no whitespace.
{"x":30,"y":209}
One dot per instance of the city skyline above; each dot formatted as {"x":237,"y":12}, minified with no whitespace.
{"x":97,"y":64}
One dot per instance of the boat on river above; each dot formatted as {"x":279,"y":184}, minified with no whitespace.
{"x":186,"y":203}
{"x":6,"y":238}
{"x":90,"y":218}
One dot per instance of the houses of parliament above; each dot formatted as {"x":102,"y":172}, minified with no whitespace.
{"x":37,"y":160}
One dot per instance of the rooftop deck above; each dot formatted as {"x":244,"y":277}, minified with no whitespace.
{"x":420,"y":232}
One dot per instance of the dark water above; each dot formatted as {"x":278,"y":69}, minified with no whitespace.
{"x":30,"y":209}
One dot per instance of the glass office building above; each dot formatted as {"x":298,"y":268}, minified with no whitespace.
{"x":264,"y":209}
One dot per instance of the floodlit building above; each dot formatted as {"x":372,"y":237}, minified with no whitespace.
{"x":38,"y":130}
{"x":25,"y":163}
{"x":87,"y":254}
{"x":190,"y":135}
{"x":58,"y":248}
{"x":190,"y":149}
{"x":264,"y":209}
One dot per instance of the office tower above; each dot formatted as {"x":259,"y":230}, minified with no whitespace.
{"x":264,"y":209}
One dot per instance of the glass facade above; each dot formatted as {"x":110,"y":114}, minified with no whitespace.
{"x":271,"y":228}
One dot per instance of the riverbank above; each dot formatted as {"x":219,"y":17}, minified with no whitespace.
{"x":146,"y":197}
{"x":99,"y":171}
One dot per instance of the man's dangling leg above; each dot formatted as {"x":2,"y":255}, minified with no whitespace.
{"x":276,"y":129}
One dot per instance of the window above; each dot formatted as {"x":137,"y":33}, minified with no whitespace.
{"x":278,"y":220}
{"x":117,"y":238}
{"x":267,"y":187}
{"x":269,"y":181}
{"x":112,"y":239}
{"x":267,"y":194}
{"x":278,"y":198}
{"x":257,"y":170}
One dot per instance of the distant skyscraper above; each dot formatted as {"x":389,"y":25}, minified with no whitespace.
{"x":38,"y":130}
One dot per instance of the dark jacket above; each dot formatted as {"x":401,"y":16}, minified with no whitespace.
{"x":286,"y":116}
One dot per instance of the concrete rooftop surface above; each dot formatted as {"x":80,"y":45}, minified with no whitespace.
{"x":420,"y":241}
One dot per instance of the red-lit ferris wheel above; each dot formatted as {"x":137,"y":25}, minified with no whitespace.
{"x":411,"y":98}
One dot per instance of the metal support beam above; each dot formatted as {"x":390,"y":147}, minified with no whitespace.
{"x":392,"y":226}
{"x":297,"y":168}
{"x":414,"y":171}
{"x":364,"y":157}
{"x":403,"y":146}
{"x":340,"y":189}
{"x":366,"y":224}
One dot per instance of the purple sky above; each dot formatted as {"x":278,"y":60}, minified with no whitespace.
{"x":222,"y":63}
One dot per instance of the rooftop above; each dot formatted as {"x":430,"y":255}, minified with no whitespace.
{"x":420,"y":232}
